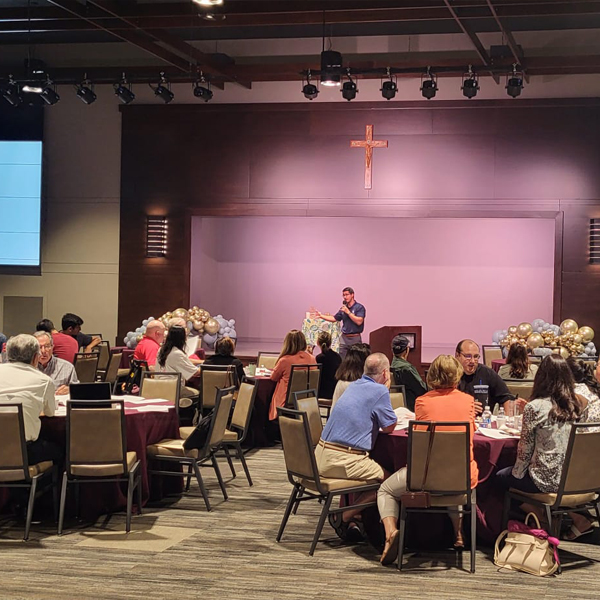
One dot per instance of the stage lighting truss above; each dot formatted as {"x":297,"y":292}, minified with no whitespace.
{"x":514,"y":82}
{"x":389,"y":88}
{"x":310,"y":90}
{"x":163,"y":89}
{"x":470,"y":84}
{"x":349,"y":88}
{"x":429,"y":85}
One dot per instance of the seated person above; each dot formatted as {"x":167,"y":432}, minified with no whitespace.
{"x":71,"y":325}
{"x":545,"y":433}
{"x":405,"y":372}
{"x":171,"y":357}
{"x":64,"y":346}
{"x":351,"y":432}
{"x":468,"y":355}
{"x":517,"y":364}
{"x":443,"y":403}
{"x":60,"y":371}
{"x":330,"y":361}
{"x":351,"y":369}
{"x":195,"y":354}
{"x":224,"y":349}
{"x":293,"y":353}
{"x":586,"y":385}
{"x":21,"y":382}
{"x":147,"y":348}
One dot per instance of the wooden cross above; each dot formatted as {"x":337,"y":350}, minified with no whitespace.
{"x":368,"y":145}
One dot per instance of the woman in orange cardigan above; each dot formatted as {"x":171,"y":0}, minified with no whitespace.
{"x":293,"y":353}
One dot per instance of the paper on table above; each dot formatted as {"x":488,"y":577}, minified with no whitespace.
{"x":138,"y":400}
{"x":404,"y":416}
{"x":496,"y":434}
{"x":152,"y":408}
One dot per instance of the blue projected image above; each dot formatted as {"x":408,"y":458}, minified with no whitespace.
{"x":20,"y":203}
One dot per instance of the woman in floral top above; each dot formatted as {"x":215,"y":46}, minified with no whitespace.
{"x":547,"y":420}
{"x":586,"y":385}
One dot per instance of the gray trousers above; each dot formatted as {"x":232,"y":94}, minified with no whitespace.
{"x":347,"y":341}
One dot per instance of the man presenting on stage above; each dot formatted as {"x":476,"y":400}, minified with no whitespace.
{"x":352,"y":315}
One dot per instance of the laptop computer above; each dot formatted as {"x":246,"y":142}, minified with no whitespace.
{"x":90,"y":391}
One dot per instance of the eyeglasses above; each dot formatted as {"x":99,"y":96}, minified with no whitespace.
{"x":46,"y":347}
{"x":471,"y":356}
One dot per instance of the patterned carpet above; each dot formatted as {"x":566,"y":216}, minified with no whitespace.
{"x":178,"y":550}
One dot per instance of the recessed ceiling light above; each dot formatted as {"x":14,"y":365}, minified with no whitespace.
{"x":209,"y":2}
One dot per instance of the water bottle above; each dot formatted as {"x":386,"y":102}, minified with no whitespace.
{"x":501,"y":418}
{"x":486,"y":417}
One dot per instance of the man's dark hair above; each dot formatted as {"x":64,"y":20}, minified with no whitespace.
{"x":71,"y":320}
{"x":45,"y":325}
{"x":348,"y":289}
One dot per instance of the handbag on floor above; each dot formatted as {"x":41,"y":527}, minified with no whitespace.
{"x":527,"y":549}
{"x":420,"y":499}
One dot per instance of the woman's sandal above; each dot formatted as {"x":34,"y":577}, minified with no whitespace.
{"x":574,"y":533}
{"x":390,"y":552}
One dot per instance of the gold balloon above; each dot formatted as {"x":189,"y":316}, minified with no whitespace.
{"x":198,"y":325}
{"x":504,"y":341}
{"x":181,"y":313}
{"x":212,"y":326}
{"x":563,"y":352}
{"x":577,"y":339}
{"x":586,"y":333}
{"x":568,"y":326}
{"x":512,"y":330}
{"x":535,"y":340}
{"x":524,"y":330}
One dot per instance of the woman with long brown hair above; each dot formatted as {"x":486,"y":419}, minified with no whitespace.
{"x":293,"y":353}
{"x":350,"y":369}
{"x":517,"y":364}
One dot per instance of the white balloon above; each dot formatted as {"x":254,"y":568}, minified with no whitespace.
{"x":232,"y":322}
{"x":145,"y":322}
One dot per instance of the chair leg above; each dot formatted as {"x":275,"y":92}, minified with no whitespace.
{"x":320,"y":524}
{"x":219,"y":477}
{"x":473,"y":531}
{"x":129,"y":502}
{"x":401,"y":536}
{"x":139,"y":490}
{"x":63,"y":499}
{"x":55,"y":499}
{"x":189,"y":478}
{"x":506,"y":510}
{"x":30,"y":504}
{"x":288,"y":510}
{"x":297,"y":504}
{"x":229,"y":461}
{"x":242,"y":459}
{"x":201,"y":484}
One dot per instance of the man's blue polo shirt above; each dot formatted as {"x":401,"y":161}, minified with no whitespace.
{"x":348,"y":325}
{"x":361,"y":411}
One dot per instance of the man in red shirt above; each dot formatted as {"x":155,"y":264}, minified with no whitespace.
{"x":149,"y":345}
{"x":65,"y":346}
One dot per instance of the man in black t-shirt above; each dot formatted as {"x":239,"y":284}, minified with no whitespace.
{"x":468,"y":354}
{"x":71,"y":325}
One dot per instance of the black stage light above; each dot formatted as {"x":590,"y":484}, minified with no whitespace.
{"x":429,"y":86}
{"x":514,"y":83}
{"x":310,"y":90}
{"x":331,"y":68}
{"x":163,"y":89}
{"x":85,"y":92}
{"x":390,"y":87}
{"x":349,"y":89}
{"x":203,"y":91}
{"x":470,"y":84}
{"x":11,"y":93}
{"x":49,"y":94}
{"x":123,"y":92}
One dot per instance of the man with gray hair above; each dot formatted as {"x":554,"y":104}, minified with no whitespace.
{"x":21,"y":382}
{"x":59,"y":370}
{"x":350,"y":433}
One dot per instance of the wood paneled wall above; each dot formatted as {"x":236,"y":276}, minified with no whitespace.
{"x":523,"y":158}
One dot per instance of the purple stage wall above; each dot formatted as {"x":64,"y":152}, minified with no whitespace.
{"x":456,"y":277}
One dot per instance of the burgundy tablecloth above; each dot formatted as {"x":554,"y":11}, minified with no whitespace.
{"x":126,"y":352}
{"x":491,"y":455}
{"x":497,"y":363}
{"x":258,"y":432}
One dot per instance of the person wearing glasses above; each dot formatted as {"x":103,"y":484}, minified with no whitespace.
{"x":468,"y":355}
{"x":61,"y":371}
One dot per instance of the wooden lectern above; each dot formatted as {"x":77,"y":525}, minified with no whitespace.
{"x":381,"y":341}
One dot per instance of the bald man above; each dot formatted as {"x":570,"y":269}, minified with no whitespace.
{"x":149,"y":345}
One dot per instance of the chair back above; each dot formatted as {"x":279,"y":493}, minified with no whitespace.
{"x":242,"y":411}
{"x":112,"y":371}
{"x":213,"y":378}
{"x":218,"y":424}
{"x":96,"y":436}
{"x":13,"y":449}
{"x":491,"y":353}
{"x":297,"y":445}
{"x":581,"y":469}
{"x":398,"y":396}
{"x":267,"y":360}
{"x":302,"y":378}
{"x":449,"y":469}
{"x":165,"y":385}
{"x":306,"y":401}
{"x":103,"y":352}
{"x":86,"y":366}
{"x":521,"y":388}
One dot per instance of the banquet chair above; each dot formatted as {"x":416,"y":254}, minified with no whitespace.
{"x":97,"y":451}
{"x":518,"y":387}
{"x":303,"y":474}
{"x":398,"y":396}
{"x":306,"y":402}
{"x":165,"y":385}
{"x":213,"y":378}
{"x":15,"y":470}
{"x":267,"y":360}
{"x":112,"y":371}
{"x":103,"y":352}
{"x":86,"y":366}
{"x":180,"y":451}
{"x":302,"y":378}
{"x":491,"y":353}
{"x":579,"y":486}
{"x":448,"y":477}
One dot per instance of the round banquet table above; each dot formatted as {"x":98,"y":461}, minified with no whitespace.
{"x":435,"y":530}
{"x":144,"y":427}
{"x":497,"y":363}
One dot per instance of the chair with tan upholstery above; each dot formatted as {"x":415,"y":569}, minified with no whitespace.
{"x":491,"y":353}
{"x":304,"y":476}
{"x":97,"y":451}
{"x":15,"y":470}
{"x":398,"y":396}
{"x":302,"y":378}
{"x":103,"y":352}
{"x":449,"y":475}
{"x":112,"y":371}
{"x":213,"y":378}
{"x":86,"y":366}
{"x":267,"y":360}
{"x":178,"y":451}
{"x":165,"y":385}
{"x":579,"y":486}
{"x":306,"y":402}
{"x":519,"y":388}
